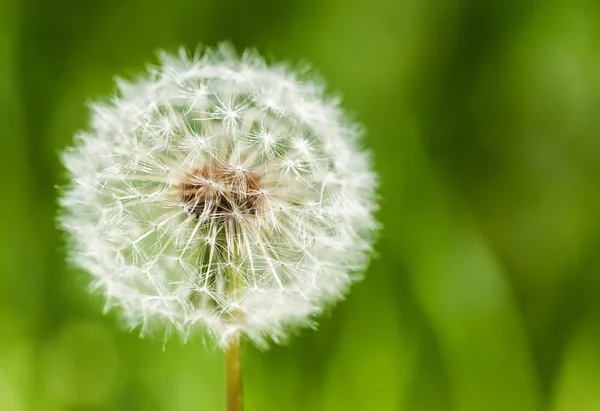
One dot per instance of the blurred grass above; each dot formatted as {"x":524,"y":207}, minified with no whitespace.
{"x":484,"y":120}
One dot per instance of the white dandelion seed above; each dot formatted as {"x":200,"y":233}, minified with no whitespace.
{"x":220,"y":191}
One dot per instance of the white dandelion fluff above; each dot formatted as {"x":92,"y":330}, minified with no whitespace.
{"x":220,"y":191}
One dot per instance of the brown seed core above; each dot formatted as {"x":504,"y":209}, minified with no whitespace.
{"x":220,"y":192}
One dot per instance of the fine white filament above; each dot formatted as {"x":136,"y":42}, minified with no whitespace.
{"x":220,"y":191}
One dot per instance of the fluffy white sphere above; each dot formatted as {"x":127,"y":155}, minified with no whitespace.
{"x":220,"y":191}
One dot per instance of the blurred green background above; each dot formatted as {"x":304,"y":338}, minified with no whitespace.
{"x":484,"y":119}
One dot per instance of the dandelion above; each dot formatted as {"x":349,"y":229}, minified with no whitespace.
{"x":223,"y":192}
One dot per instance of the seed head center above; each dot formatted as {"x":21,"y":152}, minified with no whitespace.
{"x":220,"y":192}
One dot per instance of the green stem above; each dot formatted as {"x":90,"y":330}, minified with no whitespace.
{"x":233,"y":375}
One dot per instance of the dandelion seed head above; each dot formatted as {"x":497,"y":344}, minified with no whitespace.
{"x":223,"y":192}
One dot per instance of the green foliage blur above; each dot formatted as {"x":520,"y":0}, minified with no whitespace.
{"x":484,"y":121}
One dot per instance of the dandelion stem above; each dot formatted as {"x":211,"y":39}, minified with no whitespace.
{"x":233,"y":375}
